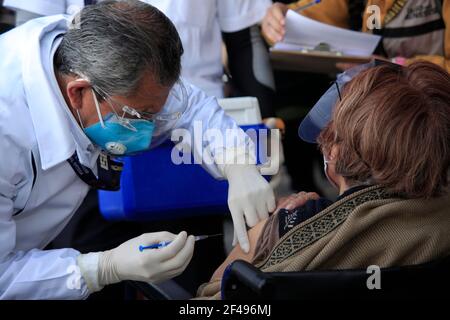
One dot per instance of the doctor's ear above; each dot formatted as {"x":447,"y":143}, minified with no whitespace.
{"x":75,"y":92}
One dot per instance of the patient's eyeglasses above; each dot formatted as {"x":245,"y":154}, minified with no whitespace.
{"x":338,"y":90}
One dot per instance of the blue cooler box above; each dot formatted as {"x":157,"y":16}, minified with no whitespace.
{"x":154,"y":188}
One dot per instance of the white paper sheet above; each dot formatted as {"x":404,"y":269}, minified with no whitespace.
{"x":302,"y":32}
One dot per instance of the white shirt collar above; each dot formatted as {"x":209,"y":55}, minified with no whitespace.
{"x":57,"y":132}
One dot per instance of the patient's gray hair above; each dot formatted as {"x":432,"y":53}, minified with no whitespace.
{"x":113,"y":43}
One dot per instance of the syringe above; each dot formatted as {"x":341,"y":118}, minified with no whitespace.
{"x":166,"y":243}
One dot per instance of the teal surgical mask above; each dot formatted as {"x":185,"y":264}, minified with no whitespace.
{"x":118,"y":140}
{"x":121,"y":135}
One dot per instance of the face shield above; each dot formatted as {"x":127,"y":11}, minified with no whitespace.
{"x":321,"y":114}
{"x":174,"y":108}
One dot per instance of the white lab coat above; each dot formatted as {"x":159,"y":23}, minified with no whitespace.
{"x":199,"y":23}
{"x":46,"y":7}
{"x":35,"y":122}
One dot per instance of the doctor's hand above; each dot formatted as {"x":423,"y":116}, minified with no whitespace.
{"x":127,"y":262}
{"x":250,"y":199}
{"x":274,"y":23}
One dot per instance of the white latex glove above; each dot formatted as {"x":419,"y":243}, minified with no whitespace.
{"x":126,"y":262}
{"x":250,"y":199}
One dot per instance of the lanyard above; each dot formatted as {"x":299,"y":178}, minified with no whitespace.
{"x":109,"y":172}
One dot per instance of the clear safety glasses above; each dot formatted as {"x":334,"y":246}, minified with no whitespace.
{"x":165,"y":120}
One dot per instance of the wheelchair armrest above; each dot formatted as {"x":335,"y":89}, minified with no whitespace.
{"x":241,"y":280}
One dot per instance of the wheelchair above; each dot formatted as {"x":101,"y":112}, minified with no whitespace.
{"x":425,"y":281}
{"x":243,"y":281}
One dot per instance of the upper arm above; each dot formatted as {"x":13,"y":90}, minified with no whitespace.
{"x":249,"y":65}
{"x":238,"y":254}
{"x":443,"y":61}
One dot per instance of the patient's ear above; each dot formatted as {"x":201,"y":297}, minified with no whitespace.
{"x":333,"y":153}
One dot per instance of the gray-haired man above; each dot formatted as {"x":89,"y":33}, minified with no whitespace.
{"x":108,"y":82}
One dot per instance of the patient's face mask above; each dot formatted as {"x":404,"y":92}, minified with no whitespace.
{"x":325,"y":169}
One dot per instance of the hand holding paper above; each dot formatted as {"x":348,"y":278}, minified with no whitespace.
{"x":312,"y":46}
{"x":303,"y":33}
{"x":273,"y":25}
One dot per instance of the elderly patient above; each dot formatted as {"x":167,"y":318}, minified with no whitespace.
{"x":386,"y":148}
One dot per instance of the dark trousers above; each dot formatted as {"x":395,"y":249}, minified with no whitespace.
{"x":297,"y":93}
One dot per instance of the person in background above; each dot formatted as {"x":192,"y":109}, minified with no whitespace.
{"x":410,"y":30}
{"x":202,"y":26}
{"x":6,"y":18}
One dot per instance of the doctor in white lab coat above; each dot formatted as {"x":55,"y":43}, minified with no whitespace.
{"x":63,"y":91}
{"x":202,"y":26}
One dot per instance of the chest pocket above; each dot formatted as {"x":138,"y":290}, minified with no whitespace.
{"x":33,"y":165}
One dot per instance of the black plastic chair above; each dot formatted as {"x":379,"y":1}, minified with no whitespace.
{"x":426,"y":281}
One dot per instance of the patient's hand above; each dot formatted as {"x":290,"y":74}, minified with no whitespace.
{"x":296,"y":200}
{"x":289,"y":203}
